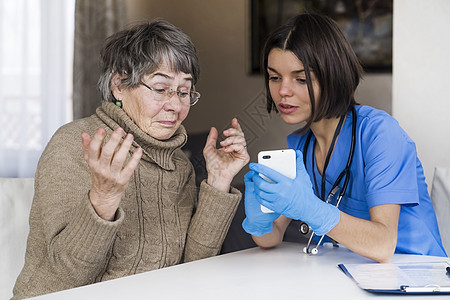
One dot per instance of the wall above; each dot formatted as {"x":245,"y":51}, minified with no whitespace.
{"x":220,"y":31}
{"x":421,"y":77}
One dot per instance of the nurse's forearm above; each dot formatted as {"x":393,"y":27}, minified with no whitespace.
{"x":275,"y":237}
{"x":375,"y":239}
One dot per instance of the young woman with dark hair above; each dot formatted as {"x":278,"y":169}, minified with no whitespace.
{"x":347,"y":154}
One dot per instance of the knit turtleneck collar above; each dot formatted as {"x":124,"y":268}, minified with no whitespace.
{"x":157,"y":151}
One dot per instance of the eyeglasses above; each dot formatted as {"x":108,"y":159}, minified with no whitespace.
{"x":161,"y":94}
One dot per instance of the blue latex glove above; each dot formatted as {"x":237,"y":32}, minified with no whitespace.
{"x":256,"y":222}
{"x":294,"y":198}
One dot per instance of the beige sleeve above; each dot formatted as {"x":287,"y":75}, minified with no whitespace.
{"x":68,"y":243}
{"x":211,"y":222}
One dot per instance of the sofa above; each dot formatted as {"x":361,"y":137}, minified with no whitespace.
{"x":16,"y":195}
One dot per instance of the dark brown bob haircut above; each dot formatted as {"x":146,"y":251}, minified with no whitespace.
{"x":322,"y":48}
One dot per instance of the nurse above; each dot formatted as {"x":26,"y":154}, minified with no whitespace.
{"x":311,"y":74}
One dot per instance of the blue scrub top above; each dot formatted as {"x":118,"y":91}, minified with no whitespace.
{"x":385,"y":170}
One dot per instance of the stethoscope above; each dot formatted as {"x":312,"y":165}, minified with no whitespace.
{"x":335,"y":189}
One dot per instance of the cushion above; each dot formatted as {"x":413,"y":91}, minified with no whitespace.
{"x":440,"y":195}
{"x":16,"y":195}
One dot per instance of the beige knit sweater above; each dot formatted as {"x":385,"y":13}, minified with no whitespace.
{"x":159,"y":223}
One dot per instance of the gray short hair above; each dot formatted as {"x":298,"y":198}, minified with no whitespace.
{"x":141,"y":50}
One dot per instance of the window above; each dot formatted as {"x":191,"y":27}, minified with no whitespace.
{"x":35,"y":79}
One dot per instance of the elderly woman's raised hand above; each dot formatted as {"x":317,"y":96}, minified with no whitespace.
{"x":109,"y":172}
{"x":224,"y":163}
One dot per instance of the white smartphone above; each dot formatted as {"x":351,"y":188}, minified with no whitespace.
{"x":283,"y":161}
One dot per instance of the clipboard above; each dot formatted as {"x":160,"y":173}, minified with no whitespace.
{"x":400,"y":278}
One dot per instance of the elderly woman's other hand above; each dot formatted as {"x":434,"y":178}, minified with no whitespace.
{"x":109,"y":172}
{"x":224,"y":163}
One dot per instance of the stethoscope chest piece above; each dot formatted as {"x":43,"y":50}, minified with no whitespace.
{"x":304,"y":228}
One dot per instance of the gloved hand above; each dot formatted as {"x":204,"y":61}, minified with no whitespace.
{"x":294,"y":198}
{"x":256,"y":222}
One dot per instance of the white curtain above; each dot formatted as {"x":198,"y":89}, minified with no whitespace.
{"x":35,"y":79}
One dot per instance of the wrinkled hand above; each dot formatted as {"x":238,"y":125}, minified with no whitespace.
{"x":224,"y":163}
{"x":110,"y":175}
{"x":294,"y":198}
{"x":256,"y":222}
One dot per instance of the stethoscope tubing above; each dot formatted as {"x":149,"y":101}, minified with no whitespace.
{"x":345,"y":173}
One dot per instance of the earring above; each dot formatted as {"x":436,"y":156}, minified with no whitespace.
{"x":119,"y":103}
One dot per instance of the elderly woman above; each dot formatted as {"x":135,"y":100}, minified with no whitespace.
{"x":124,"y":200}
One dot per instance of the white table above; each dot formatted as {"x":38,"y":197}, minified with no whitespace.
{"x":254,"y":273}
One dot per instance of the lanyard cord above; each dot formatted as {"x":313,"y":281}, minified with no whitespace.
{"x":327,"y":159}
